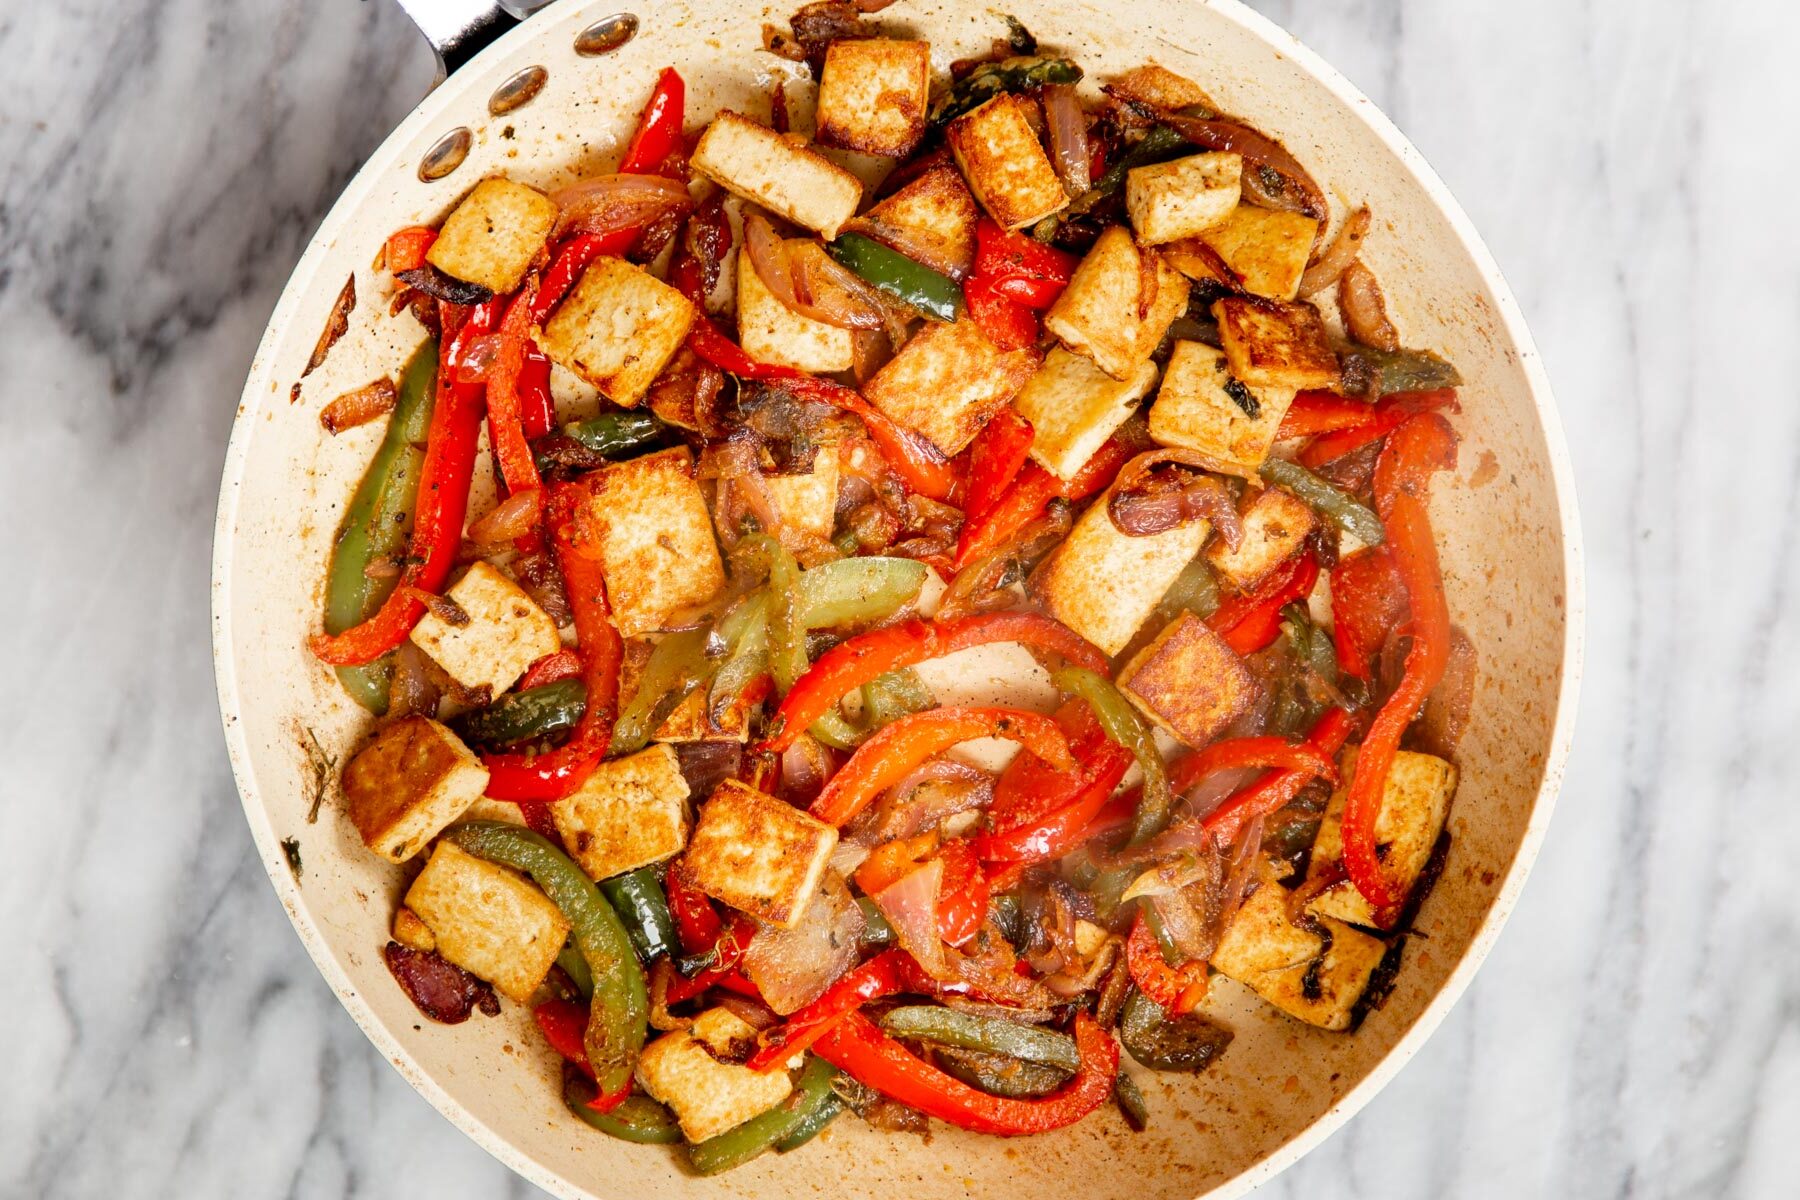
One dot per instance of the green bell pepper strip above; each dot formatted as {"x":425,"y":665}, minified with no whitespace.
{"x":876,"y":930}
{"x":634,"y":1119}
{"x":745,"y":632}
{"x":529,"y":715}
{"x":576,"y":968}
{"x":637,"y":896}
{"x":1335,"y":504}
{"x":996,"y":1035}
{"x":813,"y":1123}
{"x":1132,"y":1105}
{"x":1196,"y":590}
{"x":620,"y":1012}
{"x":852,"y":591}
{"x":1372,"y":372}
{"x":894,"y":695}
{"x":1123,"y":726}
{"x":990,"y":79}
{"x":998,"y":1075}
{"x":677,"y":666}
{"x":909,"y":282}
{"x":615,"y":432}
{"x":735,"y":1147}
{"x":379,"y":525}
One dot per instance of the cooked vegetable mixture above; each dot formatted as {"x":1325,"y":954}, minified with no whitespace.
{"x":961,"y":598}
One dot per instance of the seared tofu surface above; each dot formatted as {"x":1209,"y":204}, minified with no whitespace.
{"x":1265,"y":248}
{"x":494,"y":236}
{"x":408,"y":784}
{"x":1007,"y":169}
{"x":947,"y":381}
{"x":1276,"y":525}
{"x":1074,"y":406}
{"x":1105,"y":312}
{"x":771,"y":332}
{"x":757,"y":853}
{"x":696,"y":1072}
{"x":790,"y":180}
{"x":490,"y":921}
{"x":1178,"y":199}
{"x":1189,"y":682}
{"x":1270,"y":344}
{"x":934,"y":209}
{"x":1201,"y":407}
{"x":655,"y":537}
{"x":505,"y":632}
{"x":872,"y":95}
{"x":1415,"y":801}
{"x":630,"y":813}
{"x":618,"y":328}
{"x":1312,"y":976}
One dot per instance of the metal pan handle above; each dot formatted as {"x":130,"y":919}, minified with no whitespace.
{"x":459,"y":29}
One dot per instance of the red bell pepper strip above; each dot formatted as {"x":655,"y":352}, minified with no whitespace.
{"x":995,"y":457}
{"x":1066,"y":828}
{"x":570,"y":258}
{"x":856,"y":661}
{"x":536,"y":408}
{"x":730,"y":945}
{"x":897,"y":748}
{"x":1234,"y":754}
{"x":882,"y":975}
{"x":697,"y":923}
{"x":1277,"y":788}
{"x":564,"y":1023}
{"x":518,"y":776}
{"x":1024,"y":268}
{"x":406,"y":248}
{"x":857,"y":1046}
{"x":1384,"y":416}
{"x":964,"y":896}
{"x":506,"y":417}
{"x":658,"y":133}
{"x":438,"y":519}
{"x":1029,"y":787}
{"x":1414,"y":452}
{"x":1177,"y":990}
{"x":1368,"y":599}
{"x":1007,"y":323}
{"x":1030,"y":494}
{"x":1314,"y":412}
{"x":554,"y":667}
{"x":1249,"y":623}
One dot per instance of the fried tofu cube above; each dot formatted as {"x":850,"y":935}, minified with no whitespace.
{"x":757,"y":853}
{"x":947,"y":381}
{"x":1074,"y":406}
{"x":772,"y":332}
{"x":494,"y":235}
{"x":760,"y":165}
{"x":872,"y":95}
{"x":934,"y":210}
{"x":1007,"y":169}
{"x":490,"y":921}
{"x":1266,"y":248}
{"x":618,"y":329}
{"x":408,"y":784}
{"x":696,"y":1072}
{"x":630,"y":813}
{"x":1104,"y":584}
{"x":411,"y":932}
{"x":1098,"y":313}
{"x":1160,"y":87}
{"x":1178,"y":199}
{"x":808,"y":502}
{"x":1414,"y":804}
{"x":655,"y":538}
{"x":1293,"y":968}
{"x":1189,"y":682}
{"x":505,"y":633}
{"x":1272,"y":344}
{"x":1195,"y":409}
{"x":1275,"y":525}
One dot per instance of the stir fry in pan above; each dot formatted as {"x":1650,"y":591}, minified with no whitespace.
{"x":960,"y":600}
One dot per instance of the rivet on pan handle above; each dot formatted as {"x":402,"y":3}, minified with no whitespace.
{"x":458,"y":30}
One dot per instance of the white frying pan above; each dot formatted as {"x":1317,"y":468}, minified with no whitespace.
{"x":1507,"y":526}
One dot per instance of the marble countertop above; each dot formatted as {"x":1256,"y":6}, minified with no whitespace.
{"x":1637,"y":1031}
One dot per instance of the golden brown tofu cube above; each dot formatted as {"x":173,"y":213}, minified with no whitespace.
{"x":1178,"y":199}
{"x":1189,"y":682}
{"x":872,"y":95}
{"x":408,"y":784}
{"x":1275,"y":526}
{"x":1293,"y":968}
{"x":1198,"y":408}
{"x":618,"y":329}
{"x":1006,"y":167}
{"x":1414,"y":803}
{"x":491,"y":922}
{"x":808,"y":502}
{"x":655,"y":539}
{"x":506,"y":631}
{"x":1265,"y":248}
{"x":755,"y":162}
{"x":772,"y":332}
{"x":494,"y":235}
{"x":934,"y":211}
{"x":630,"y":813}
{"x":1102,"y":313}
{"x":411,"y":932}
{"x":1074,"y":406}
{"x":947,"y":381}
{"x":1160,"y":87}
{"x":757,"y":853}
{"x":684,"y":1070}
{"x":1104,"y":584}
{"x":1271,"y":344}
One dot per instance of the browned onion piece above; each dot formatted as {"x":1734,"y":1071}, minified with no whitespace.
{"x":986,"y":585}
{"x":609,"y":203}
{"x":910,"y":906}
{"x":939,"y":789}
{"x":782,"y":44}
{"x":757,"y":1016}
{"x":662,"y":975}
{"x":337,"y":323}
{"x":412,"y":690}
{"x":791,"y":967}
{"x":542,"y":580}
{"x":1066,"y":124}
{"x":442,"y":607}
{"x":1143,"y":504}
{"x":705,"y":765}
{"x":359,"y":407}
{"x":1338,"y":256}
{"x":512,"y":518}
{"x":1363,"y":309}
{"x":813,"y":285}
{"x":734,"y":463}
{"x":1446,"y":714}
{"x":805,"y":767}
{"x":1296,"y":190}
{"x":438,"y":988}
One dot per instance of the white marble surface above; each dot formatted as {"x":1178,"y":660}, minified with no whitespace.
{"x":1637,"y":1032}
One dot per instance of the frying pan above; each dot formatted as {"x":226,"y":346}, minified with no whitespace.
{"x":552,"y":98}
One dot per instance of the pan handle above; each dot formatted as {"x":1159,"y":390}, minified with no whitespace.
{"x":460,"y":29}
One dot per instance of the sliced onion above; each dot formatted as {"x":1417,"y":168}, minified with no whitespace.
{"x":791,"y":967}
{"x":805,"y":766}
{"x":1190,"y":915}
{"x":734,"y":463}
{"x":910,"y":906}
{"x":509,"y":520}
{"x":1297,"y":192}
{"x":705,"y":765}
{"x":813,"y":285}
{"x":609,"y":203}
{"x":1363,"y":309}
{"x":1170,"y":876}
{"x":359,"y":407}
{"x":941,"y":788}
{"x":1338,"y":257}
{"x":1139,"y":508}
{"x":750,"y":1012}
{"x":1446,"y":713}
{"x":1067,"y":127}
{"x":412,"y":690}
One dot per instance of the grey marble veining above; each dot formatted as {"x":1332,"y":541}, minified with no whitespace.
{"x":1635,"y":1033}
